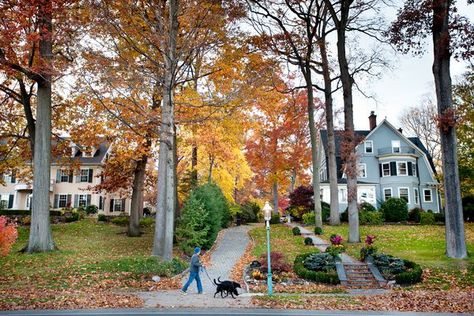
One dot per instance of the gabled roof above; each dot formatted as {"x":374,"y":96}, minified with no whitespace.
{"x":98,"y":157}
{"x":361,"y":134}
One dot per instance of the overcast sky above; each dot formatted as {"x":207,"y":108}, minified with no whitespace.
{"x":410,"y":81}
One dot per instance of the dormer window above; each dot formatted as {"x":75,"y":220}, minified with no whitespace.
{"x":88,"y":151}
{"x":369,"y":147}
{"x":395,"y":146}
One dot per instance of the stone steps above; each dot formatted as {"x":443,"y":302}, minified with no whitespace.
{"x":359,"y":276}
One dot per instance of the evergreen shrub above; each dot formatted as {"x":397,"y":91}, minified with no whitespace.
{"x":395,"y":210}
{"x":370,"y":218}
{"x":427,"y":218}
{"x":414,"y":214}
{"x":316,"y":276}
{"x":296,"y":231}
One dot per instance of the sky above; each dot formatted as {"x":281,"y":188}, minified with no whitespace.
{"x":407,"y":84}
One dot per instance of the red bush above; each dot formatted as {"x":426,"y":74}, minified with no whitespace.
{"x":8,"y":235}
{"x":278,"y":260}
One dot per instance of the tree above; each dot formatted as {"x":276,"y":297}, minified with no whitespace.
{"x":464,"y":101}
{"x":451,"y":33}
{"x":421,"y":122}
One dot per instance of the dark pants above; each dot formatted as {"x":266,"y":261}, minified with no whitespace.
{"x":192,"y":276}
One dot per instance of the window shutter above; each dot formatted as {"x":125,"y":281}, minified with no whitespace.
{"x":91,"y":174}
{"x":56,"y":201}
{"x":58,"y":175}
{"x":88,"y":200}
{"x":10,"y":201}
{"x":13,"y":178}
{"x":123,"y":205}
{"x":393,"y":168}
{"x":78,"y":177}
{"x":71,"y":175}
{"x":380,"y":170}
{"x":76,"y":200}
{"x":100,"y":203}
{"x":111,"y":205}
{"x":69,"y":200}
{"x":410,"y":168}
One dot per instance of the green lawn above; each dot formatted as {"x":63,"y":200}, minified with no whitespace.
{"x":281,"y":240}
{"x":86,"y":249}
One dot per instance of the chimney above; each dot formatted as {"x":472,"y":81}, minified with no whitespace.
{"x":372,"y":120}
{"x":400,"y":130}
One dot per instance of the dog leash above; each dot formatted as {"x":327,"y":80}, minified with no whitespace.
{"x":205,"y":270}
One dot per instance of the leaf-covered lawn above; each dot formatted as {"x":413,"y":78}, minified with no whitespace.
{"x":92,"y":261}
{"x":281,"y":240}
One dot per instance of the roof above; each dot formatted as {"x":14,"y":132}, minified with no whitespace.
{"x":96,"y":159}
{"x":361,"y":134}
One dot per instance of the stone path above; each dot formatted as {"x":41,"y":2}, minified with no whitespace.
{"x":231,"y":246}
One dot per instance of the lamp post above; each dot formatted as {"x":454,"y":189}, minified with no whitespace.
{"x":267,"y":211}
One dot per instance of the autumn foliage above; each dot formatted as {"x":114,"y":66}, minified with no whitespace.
{"x":8,"y":235}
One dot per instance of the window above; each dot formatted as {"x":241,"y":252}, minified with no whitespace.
{"x":395,"y":146}
{"x":64,"y":176}
{"x":83,"y":199}
{"x":427,"y":195}
{"x":369,"y":147}
{"x":3,"y":201}
{"x":413,"y":168}
{"x":343,"y":195}
{"x":386,"y":169}
{"x":118,"y":205}
{"x":404,"y":193}
{"x":62,"y":200}
{"x":84,"y":175}
{"x":28,"y":201}
{"x":387,"y":193}
{"x":366,"y":195}
{"x":362,"y":170}
{"x":402,"y":168}
{"x":415,"y":194}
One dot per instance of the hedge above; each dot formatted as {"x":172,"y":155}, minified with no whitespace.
{"x":412,"y":276}
{"x":316,"y":276}
{"x":28,"y":212}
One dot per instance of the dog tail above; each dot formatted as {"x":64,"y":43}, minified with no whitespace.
{"x":216,"y":282}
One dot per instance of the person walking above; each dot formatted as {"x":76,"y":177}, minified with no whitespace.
{"x":194,"y":268}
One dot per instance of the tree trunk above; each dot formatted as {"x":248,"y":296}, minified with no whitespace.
{"x":455,"y":237}
{"x":211,"y":166}
{"x":164,"y":227}
{"x":41,"y":239}
{"x":137,"y":197}
{"x":30,"y":121}
{"x":332,"y":166}
{"x":314,"y":151}
{"x":293,"y":180}
{"x":275,"y":196}
{"x":348,"y":148}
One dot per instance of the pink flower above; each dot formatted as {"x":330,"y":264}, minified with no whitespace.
{"x":336,"y":239}
{"x":370,"y":240}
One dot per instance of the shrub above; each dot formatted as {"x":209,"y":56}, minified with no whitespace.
{"x":275,"y":219}
{"x":91,"y":209}
{"x":366,"y":207}
{"x":193,"y":226}
{"x":101,"y":218}
{"x":8,"y":235}
{"x":411,"y":276}
{"x":318,"y":231}
{"x":389,"y":266}
{"x":71,"y":216}
{"x":249,"y":212}
{"x":316,"y":276}
{"x":414,"y":214}
{"x":325,"y":211}
{"x":335,"y":250}
{"x":395,"y":210}
{"x":370,"y":218}
{"x":320,"y":262}
{"x":427,"y":218}
{"x":147,"y":222}
{"x":439,"y":217}
{"x":279,"y":262}
{"x":468,"y":208}
{"x":309,"y":218}
{"x":345,"y":216}
{"x":336,"y":239}
{"x":308,"y":241}
{"x":26,"y":220}
{"x":120,"y":220}
{"x":296,"y":231}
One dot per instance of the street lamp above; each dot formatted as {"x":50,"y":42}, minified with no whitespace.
{"x":267,"y":213}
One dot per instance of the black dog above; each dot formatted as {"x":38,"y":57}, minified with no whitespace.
{"x":227,"y":287}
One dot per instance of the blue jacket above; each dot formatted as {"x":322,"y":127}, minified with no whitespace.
{"x":195,"y":263}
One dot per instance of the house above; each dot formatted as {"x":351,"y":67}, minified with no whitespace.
{"x":70,"y":187}
{"x":390,"y":165}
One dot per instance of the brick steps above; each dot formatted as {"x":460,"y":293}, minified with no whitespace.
{"x":359,"y":276}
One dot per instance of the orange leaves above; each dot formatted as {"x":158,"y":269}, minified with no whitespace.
{"x":8,"y":235}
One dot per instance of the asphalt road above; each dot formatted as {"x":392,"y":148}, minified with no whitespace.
{"x":219,"y":311}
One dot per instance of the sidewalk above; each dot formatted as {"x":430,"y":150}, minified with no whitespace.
{"x":231,"y":247}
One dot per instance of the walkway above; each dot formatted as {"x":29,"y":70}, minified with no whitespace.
{"x":231,"y":246}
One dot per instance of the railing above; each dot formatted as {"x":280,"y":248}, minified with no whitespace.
{"x":401,"y":151}
{"x":24,"y":186}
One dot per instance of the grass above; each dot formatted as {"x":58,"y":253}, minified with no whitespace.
{"x":281,"y":240}
{"x":84,"y":247}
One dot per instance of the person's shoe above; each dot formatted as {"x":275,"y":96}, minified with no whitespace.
{"x":183,"y":292}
